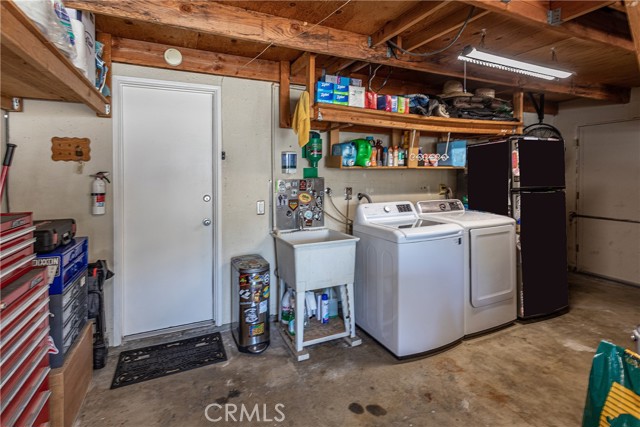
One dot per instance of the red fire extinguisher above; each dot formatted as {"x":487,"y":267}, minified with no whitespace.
{"x":99,"y":193}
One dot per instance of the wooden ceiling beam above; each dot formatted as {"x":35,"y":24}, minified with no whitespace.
{"x":633,"y":14}
{"x":299,"y":66}
{"x":422,"y":11}
{"x":237,"y":23}
{"x":535,"y":12}
{"x":619,"y":6}
{"x":573,"y":9}
{"x":448,"y":24}
{"x":199,"y":61}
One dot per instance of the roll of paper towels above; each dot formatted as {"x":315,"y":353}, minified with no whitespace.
{"x":81,"y":48}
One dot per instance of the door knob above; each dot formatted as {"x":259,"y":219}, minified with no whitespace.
{"x":206,"y":222}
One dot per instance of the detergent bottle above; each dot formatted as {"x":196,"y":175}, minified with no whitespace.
{"x":363,"y":156}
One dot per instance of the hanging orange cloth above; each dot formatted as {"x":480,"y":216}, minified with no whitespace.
{"x":302,"y":120}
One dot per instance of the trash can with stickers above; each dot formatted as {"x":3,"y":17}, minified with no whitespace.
{"x":250,"y":303}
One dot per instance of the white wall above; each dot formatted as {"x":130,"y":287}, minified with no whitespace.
{"x":570,"y":117}
{"x":249,"y":116}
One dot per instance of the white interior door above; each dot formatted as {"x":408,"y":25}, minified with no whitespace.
{"x":165,"y":221}
{"x":608,"y":208}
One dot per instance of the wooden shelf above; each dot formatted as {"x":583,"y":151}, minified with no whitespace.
{"x":32,"y":67}
{"x":339,"y":114}
{"x":336,"y":162}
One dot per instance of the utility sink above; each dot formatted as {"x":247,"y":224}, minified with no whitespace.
{"x":315,"y":259}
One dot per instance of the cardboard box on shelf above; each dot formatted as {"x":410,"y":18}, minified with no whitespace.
{"x":340,"y":99}
{"x":324,"y":86}
{"x":356,"y":96}
{"x":328,"y":78}
{"x":341,"y":89}
{"x":324,"y":96}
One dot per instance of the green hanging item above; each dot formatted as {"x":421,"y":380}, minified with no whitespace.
{"x":312,"y":151}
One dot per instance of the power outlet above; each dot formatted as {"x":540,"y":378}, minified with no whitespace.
{"x":348,"y":192}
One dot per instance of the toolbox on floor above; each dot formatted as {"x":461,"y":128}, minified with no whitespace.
{"x":65,"y":263}
{"x":51,"y":233}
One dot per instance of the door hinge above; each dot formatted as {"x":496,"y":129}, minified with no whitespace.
{"x":577,"y":248}
{"x":554,"y":16}
{"x":577,"y":195}
{"x":224,"y":155}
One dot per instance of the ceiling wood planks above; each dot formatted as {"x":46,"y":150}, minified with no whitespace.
{"x":406,"y":21}
{"x":572,"y":9}
{"x":291,"y":36}
{"x":530,"y":11}
{"x":633,"y":14}
{"x":441,"y":28}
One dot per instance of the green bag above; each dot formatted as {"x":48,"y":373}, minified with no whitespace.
{"x":613,"y":397}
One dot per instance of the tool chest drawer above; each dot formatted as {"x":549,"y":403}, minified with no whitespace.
{"x":69,"y":313}
{"x":24,"y":348}
{"x":16,"y":246}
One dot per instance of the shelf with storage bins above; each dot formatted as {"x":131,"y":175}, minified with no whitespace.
{"x":335,"y":118}
{"x":32,"y":67}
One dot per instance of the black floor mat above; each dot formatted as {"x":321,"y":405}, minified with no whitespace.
{"x":156,"y":361}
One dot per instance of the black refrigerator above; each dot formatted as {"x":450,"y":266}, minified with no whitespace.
{"x":523,"y":177}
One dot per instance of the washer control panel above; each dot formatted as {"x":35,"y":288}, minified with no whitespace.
{"x":389,"y":210}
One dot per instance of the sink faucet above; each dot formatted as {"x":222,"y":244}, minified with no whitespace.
{"x":301,"y":220}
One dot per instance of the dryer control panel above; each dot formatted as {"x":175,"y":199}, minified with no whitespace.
{"x":434,"y":206}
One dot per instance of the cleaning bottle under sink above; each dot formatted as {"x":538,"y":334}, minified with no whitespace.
{"x":285,"y":307}
{"x":333,"y":301}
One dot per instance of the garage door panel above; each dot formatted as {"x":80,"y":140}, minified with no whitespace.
{"x":606,"y":248}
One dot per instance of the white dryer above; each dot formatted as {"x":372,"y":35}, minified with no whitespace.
{"x":489,"y":265}
{"x":409,"y":283}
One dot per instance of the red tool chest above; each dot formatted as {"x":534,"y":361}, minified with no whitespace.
{"x":24,"y":327}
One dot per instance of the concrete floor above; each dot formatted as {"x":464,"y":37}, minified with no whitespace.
{"x":532,"y":374}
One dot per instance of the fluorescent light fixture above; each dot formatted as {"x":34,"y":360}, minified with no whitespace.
{"x":471,"y":54}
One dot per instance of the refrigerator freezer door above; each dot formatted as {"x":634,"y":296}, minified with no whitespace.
{"x":537,"y":163}
{"x":543,"y":288}
{"x":488,"y":177}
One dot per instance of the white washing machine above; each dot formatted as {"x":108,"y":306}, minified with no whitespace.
{"x":409,"y":283}
{"x":489,"y":263}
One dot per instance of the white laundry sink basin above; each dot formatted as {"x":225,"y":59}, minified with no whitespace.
{"x":315,"y":259}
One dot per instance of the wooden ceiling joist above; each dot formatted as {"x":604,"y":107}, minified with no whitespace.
{"x":338,"y":65}
{"x":237,"y":23}
{"x":422,"y":11}
{"x":573,"y":9}
{"x":535,"y":12}
{"x":445,"y":26}
{"x":633,"y":14}
{"x":358,"y":66}
{"x":299,"y":66}
{"x":199,"y":61}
